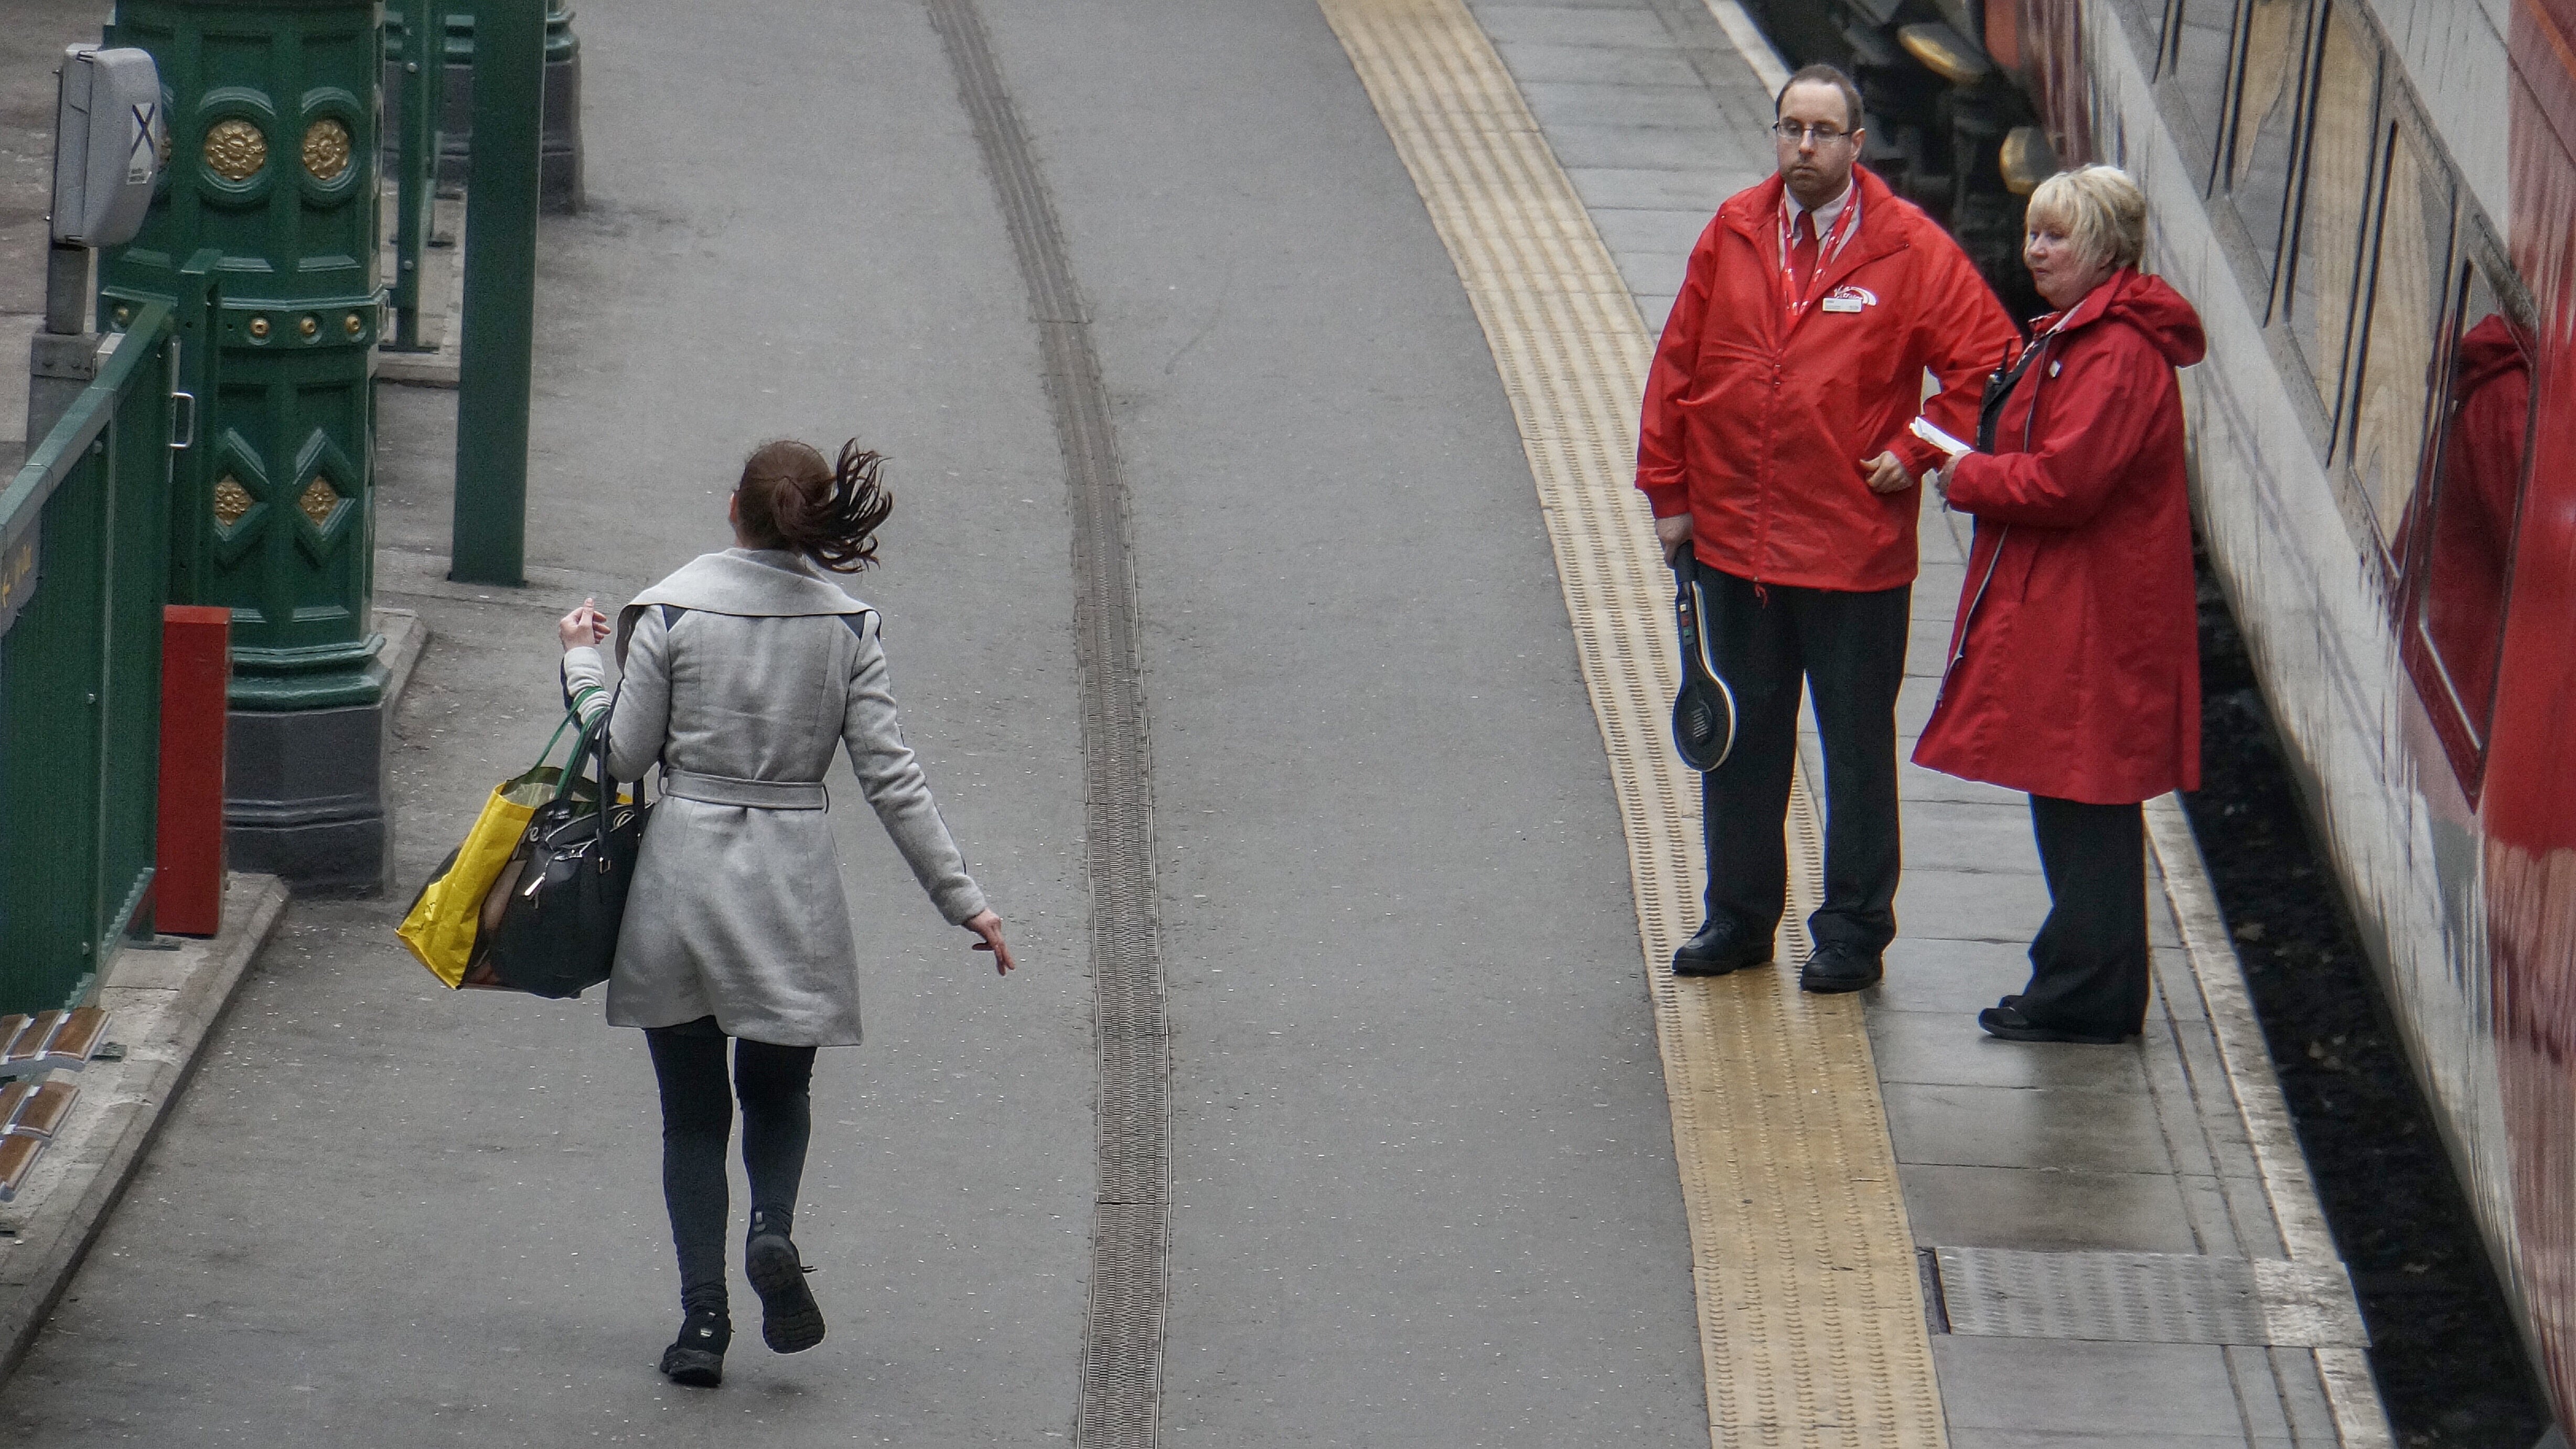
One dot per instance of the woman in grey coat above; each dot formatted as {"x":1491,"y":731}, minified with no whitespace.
{"x":740,"y":674}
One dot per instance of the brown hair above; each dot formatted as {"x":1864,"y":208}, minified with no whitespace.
{"x":1824,"y":75}
{"x":789,"y":498}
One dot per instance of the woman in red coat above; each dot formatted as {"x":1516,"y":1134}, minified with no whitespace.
{"x":2074,"y":668}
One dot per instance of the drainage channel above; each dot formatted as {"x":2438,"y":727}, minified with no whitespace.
{"x":1131,"y":1213}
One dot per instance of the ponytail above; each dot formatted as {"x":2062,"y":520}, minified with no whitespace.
{"x":789,"y":499}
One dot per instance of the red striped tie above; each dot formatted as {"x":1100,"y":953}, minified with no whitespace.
{"x":1802,"y":251}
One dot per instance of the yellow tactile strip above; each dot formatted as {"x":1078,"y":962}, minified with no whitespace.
{"x":1811,"y":1314}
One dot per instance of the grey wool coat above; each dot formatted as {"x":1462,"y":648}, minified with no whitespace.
{"x":742,"y":689}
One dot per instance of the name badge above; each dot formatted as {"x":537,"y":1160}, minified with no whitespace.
{"x":1841,"y":304}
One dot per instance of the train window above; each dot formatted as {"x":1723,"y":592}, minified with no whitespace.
{"x":2458,"y":537}
{"x":2334,"y":191}
{"x":2203,"y":33}
{"x":2267,"y":106}
{"x":2399,"y":364}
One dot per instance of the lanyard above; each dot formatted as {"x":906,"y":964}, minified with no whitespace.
{"x":1828,"y":246}
{"x":2001,"y":382}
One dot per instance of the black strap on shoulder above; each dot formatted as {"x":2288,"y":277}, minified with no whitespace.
{"x":1999,"y":386}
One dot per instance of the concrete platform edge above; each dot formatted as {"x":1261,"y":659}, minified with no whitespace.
{"x":405,"y":636}
{"x":69,"y":1218}
{"x":2352,"y":1395}
{"x":75,"y":1212}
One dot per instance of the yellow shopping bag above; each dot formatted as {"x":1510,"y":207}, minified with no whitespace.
{"x":447,"y":916}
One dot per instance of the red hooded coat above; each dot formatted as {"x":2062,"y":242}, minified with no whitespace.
{"x":2075,"y":662}
{"x":1756,"y":426}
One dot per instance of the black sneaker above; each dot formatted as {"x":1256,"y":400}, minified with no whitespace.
{"x":696,"y":1357}
{"x":790,"y":1320}
{"x":1833,"y":968}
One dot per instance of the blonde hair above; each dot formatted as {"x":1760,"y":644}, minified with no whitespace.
{"x":2103,"y":212}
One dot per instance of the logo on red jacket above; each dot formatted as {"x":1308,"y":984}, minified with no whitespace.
{"x":1850,"y":299}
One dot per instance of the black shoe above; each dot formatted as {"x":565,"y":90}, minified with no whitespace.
{"x":2007,"y":1022}
{"x":696,"y":1357}
{"x":1720,"y":947}
{"x":1831,"y":968}
{"x":790,"y":1320}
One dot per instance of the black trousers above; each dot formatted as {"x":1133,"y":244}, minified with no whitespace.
{"x":773,"y":1085}
{"x":1848,"y":651}
{"x":2088,"y":964}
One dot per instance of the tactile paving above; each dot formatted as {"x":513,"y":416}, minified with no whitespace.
{"x":1811,"y":1307}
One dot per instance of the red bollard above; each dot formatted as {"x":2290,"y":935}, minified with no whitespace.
{"x":196,"y":673}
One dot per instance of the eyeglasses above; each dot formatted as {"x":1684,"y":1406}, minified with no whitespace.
{"x":1793,"y":133}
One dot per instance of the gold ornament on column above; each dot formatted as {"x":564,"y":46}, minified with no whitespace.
{"x":232,"y":500}
{"x":317,"y":501}
{"x":326,"y":150}
{"x":235,"y":149}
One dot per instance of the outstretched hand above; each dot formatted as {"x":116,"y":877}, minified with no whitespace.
{"x":989,"y":926}
{"x":585,"y":625}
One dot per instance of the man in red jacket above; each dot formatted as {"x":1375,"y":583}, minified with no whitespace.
{"x":1774,"y":448}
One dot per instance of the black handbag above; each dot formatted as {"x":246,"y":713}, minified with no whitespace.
{"x":557,"y":930}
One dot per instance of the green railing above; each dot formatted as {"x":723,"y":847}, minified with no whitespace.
{"x":84,"y":571}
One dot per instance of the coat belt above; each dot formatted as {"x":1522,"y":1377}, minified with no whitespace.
{"x":752,"y":794}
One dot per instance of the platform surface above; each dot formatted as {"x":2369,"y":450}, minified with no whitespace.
{"x":1426,"y":1183}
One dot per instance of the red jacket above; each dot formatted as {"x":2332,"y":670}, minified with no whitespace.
{"x":2075,"y":662}
{"x":1757,"y":427}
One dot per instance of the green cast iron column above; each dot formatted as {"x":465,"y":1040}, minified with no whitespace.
{"x":560,"y":189}
{"x":263,"y":237}
{"x":496,"y":351}
{"x":270,"y":191}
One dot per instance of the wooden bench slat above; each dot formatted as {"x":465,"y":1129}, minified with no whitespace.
{"x":82,"y":1031}
{"x":13,"y":1100}
{"x":17,"y":1157}
{"x":46,"y":1108}
{"x":11,"y":1027}
{"x":32,"y":1042}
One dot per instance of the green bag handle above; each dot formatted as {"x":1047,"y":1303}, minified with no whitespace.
{"x":548,"y":752}
{"x":585,"y":744}
{"x":561,"y":725}
{"x":588,"y":748}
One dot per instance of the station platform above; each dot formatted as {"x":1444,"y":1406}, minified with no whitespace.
{"x":2116,"y":1246}
{"x":1453,"y":1159}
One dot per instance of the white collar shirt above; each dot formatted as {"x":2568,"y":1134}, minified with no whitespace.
{"x":1825,"y":215}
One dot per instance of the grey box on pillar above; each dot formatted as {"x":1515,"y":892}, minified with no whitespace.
{"x":109,"y":141}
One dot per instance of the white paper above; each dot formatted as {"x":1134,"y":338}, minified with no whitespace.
{"x":1924,"y":429}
